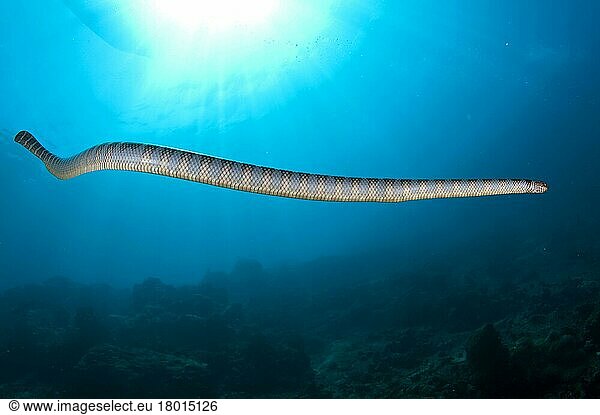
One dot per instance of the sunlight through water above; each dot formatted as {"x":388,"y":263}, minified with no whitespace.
{"x":213,"y":63}
{"x":214,"y":16}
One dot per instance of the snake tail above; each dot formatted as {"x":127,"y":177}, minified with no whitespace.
{"x":187,"y":165}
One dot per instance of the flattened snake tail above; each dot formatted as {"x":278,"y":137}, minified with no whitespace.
{"x":200,"y":168}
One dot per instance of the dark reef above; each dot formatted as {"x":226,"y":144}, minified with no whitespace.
{"x":303,"y":333}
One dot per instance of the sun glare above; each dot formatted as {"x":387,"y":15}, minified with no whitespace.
{"x":222,"y":61}
{"x":214,"y":16}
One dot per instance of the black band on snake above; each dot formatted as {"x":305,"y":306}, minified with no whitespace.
{"x":215,"y":171}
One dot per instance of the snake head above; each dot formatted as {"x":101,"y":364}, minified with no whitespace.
{"x":538,"y":186}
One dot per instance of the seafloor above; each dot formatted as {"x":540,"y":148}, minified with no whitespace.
{"x":512,"y":326}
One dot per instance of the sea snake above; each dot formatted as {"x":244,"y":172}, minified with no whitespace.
{"x":215,"y":171}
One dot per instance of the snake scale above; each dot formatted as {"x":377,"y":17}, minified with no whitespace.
{"x":215,"y":171}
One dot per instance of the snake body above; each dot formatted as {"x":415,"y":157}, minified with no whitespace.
{"x":230,"y":174}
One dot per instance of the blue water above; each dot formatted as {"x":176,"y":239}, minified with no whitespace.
{"x":408,"y":89}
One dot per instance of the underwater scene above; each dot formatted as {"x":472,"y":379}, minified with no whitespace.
{"x":137,"y":281}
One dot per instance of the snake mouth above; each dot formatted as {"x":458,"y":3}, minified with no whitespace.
{"x":539,"y":187}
